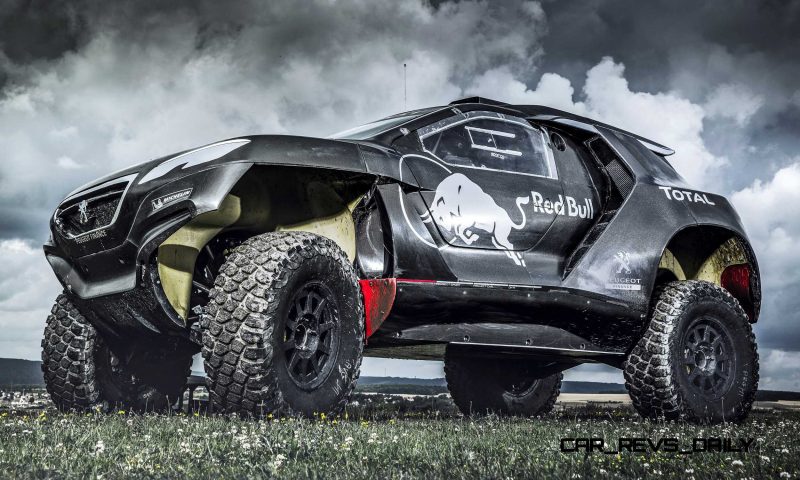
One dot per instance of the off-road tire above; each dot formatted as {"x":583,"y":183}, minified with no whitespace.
{"x":480,"y":386}
{"x":79,"y":376}
{"x":244,"y":329}
{"x":663,"y":372}
{"x":68,"y":365}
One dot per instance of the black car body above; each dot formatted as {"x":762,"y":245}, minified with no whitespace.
{"x":505,"y":229}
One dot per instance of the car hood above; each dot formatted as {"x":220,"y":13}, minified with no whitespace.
{"x":258,"y":149}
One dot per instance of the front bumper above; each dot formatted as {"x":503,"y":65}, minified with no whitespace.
{"x":114,"y":262}
{"x":113,"y":277}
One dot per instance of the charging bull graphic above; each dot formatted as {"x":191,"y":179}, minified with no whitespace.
{"x":460,"y":206}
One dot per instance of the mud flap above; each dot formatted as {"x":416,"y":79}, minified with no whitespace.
{"x":379,"y":295}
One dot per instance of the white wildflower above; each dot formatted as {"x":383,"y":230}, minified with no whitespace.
{"x":347,"y":442}
{"x":99,"y":447}
{"x":276,"y":462}
{"x":737,"y":463}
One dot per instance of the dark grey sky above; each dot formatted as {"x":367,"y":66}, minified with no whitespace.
{"x":87,"y":87}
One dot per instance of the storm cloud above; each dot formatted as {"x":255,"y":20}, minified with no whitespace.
{"x":87,"y":87}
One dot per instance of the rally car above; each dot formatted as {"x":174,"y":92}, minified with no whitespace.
{"x":511,"y":241}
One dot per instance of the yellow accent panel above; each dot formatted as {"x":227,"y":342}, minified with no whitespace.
{"x":338,"y":227}
{"x":178,"y":253}
{"x":669,"y":262}
{"x":729,"y":253}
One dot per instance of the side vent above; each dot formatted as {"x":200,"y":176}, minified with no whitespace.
{"x":620,"y":178}
{"x":619,"y":183}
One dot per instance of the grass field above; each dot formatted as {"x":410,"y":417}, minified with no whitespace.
{"x":399,"y":439}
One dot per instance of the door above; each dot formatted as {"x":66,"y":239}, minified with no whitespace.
{"x":489,"y":181}
{"x":583,"y":184}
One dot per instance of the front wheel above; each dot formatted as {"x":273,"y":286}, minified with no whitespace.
{"x":698,"y":358}
{"x":284,"y":329}
{"x":81,"y":372}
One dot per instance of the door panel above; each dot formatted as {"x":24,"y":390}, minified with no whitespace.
{"x":582,"y":182}
{"x":489,"y":183}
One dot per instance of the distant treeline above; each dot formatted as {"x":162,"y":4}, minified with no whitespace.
{"x":15,"y":372}
{"x":402,"y":389}
{"x":19,"y":373}
{"x":437,"y":382}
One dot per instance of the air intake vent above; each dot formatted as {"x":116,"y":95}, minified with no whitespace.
{"x":620,"y":177}
{"x":618,"y":174}
{"x":620,"y":186}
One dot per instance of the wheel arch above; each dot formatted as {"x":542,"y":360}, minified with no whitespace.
{"x":266,"y":198}
{"x":716,"y":254}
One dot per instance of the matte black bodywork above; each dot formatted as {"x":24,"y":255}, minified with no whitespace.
{"x":557,"y":292}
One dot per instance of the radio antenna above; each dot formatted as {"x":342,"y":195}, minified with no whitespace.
{"x":405,"y":89}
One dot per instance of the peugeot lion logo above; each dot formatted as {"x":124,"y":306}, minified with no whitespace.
{"x":623,"y":262}
{"x":83,"y":211}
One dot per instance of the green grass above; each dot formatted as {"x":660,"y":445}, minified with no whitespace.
{"x":377,"y":440}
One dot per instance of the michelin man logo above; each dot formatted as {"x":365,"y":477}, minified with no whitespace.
{"x":462,"y":207}
{"x":162,"y":201}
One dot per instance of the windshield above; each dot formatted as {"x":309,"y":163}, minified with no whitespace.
{"x":377,"y":127}
{"x":372,"y":129}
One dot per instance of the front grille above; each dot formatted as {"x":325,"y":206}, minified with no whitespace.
{"x":92,"y":210}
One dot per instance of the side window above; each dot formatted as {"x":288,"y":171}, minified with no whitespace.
{"x":490,"y":141}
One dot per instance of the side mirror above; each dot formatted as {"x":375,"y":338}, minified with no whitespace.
{"x":558,"y":142}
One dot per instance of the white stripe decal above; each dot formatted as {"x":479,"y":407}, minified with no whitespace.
{"x":195,"y":157}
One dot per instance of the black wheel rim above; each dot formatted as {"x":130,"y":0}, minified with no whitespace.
{"x":311,"y":336}
{"x":118,"y":386}
{"x":708,"y":360}
{"x":520,"y":389}
{"x":517,"y":382}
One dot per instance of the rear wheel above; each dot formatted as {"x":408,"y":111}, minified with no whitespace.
{"x":481,"y":386}
{"x":698,"y":358}
{"x":81,"y":372}
{"x":284,"y":329}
